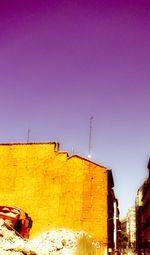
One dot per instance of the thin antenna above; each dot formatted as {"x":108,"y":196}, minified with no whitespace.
{"x":28,"y":135}
{"x":90,"y":136}
{"x":72,"y":151}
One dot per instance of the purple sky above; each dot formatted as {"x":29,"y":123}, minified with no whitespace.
{"x":64,"y":61}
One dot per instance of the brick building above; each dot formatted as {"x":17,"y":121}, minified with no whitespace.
{"x":57,"y":190}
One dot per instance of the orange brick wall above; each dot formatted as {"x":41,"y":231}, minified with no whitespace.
{"x":56,"y":191}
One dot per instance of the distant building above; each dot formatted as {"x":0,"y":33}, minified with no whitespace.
{"x":124,"y":225}
{"x":143,"y":217}
{"x":128,"y":226}
{"x":131,"y":226}
{"x":113,"y":224}
{"x":139,"y":220}
{"x":59,"y":191}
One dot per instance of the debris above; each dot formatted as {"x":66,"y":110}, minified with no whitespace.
{"x":54,"y":242}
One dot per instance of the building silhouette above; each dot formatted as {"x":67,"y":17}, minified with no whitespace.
{"x":59,"y":191}
{"x":143,"y":217}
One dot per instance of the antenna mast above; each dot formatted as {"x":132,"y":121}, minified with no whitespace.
{"x":28,"y":136}
{"x":90,"y":136}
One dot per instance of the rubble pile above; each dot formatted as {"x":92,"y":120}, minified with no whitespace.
{"x":11,"y":243}
{"x":62,"y":242}
{"x":55,"y":242}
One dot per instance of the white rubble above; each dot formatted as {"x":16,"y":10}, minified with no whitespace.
{"x":62,"y":242}
{"x":55,"y":242}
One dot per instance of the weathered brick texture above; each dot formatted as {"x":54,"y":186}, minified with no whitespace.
{"x":55,"y":190}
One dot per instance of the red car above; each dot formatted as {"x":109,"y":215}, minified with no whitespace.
{"x":15,"y":218}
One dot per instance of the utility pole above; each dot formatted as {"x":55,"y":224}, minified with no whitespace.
{"x":90,"y":136}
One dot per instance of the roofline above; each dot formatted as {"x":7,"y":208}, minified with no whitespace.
{"x":56,"y":144}
{"x":80,"y":157}
{"x":148,"y":165}
{"x":28,"y":143}
{"x":63,"y":152}
{"x":145,"y":188}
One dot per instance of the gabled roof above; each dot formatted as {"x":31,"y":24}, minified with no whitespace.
{"x":85,"y":159}
{"x":56,"y":147}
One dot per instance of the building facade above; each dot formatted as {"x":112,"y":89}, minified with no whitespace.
{"x":124,"y":224}
{"x":128,"y":226}
{"x":57,"y":190}
{"x":131,"y":226}
{"x":143,"y":217}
